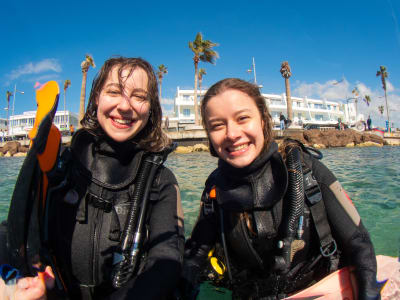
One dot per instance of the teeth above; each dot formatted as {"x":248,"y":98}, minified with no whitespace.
{"x":239,"y":147}
{"x":122,"y":121}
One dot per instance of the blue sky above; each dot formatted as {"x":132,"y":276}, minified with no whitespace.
{"x":324,"y":42}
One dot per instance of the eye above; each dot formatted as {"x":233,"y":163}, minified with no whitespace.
{"x":216,"y":126}
{"x":243,"y":118}
{"x":113,"y":92}
{"x":139,"y":97}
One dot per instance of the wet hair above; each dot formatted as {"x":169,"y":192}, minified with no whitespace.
{"x":151,"y":137}
{"x":245,"y":87}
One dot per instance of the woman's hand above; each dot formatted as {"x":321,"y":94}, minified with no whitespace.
{"x":28,"y":288}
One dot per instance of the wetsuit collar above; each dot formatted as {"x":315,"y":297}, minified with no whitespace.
{"x":230,"y":171}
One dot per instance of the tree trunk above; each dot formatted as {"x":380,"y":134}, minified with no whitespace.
{"x":8,"y":120}
{"x":288,"y":100}
{"x":196,"y":114}
{"x":65,"y":119}
{"x":82,"y":101}
{"x":387,"y":111}
{"x":159,"y":87}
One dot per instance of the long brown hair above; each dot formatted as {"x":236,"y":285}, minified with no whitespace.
{"x":245,"y":87}
{"x":151,"y":137}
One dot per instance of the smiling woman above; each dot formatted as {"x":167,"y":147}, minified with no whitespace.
{"x":272,"y":220}
{"x":131,"y":108}
{"x":122,"y":113}
{"x":115,"y":223}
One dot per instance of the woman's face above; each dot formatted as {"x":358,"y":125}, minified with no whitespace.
{"x":122,"y":114}
{"x":235,"y":127}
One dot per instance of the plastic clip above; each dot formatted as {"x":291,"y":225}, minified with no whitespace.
{"x":327,"y":251}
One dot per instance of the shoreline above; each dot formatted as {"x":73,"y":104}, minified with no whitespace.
{"x":195,"y":140}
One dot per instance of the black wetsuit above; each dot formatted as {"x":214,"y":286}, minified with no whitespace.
{"x":258,"y":192}
{"x":89,"y":215}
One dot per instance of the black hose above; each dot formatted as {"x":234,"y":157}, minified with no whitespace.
{"x":295,"y":197}
{"x":223,"y":240}
{"x":126,"y":261}
{"x":295,"y":192}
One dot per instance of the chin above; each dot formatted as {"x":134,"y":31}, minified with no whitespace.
{"x":240,"y":162}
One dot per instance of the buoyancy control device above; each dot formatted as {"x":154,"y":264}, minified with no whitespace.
{"x":302,"y":189}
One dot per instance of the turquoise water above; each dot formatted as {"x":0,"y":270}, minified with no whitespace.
{"x":370,"y":175}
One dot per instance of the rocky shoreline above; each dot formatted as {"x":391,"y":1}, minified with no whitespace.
{"x":314,"y":138}
{"x":317,"y":139}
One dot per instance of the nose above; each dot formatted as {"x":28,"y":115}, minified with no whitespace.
{"x":124,"y":103}
{"x":233,"y":131}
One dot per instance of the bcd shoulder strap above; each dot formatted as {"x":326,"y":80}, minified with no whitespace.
{"x":318,"y":212}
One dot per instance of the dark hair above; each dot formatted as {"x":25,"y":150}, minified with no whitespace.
{"x":151,"y":137}
{"x":245,"y":87}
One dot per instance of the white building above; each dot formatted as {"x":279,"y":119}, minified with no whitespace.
{"x":20,"y":125}
{"x":305,"y":110}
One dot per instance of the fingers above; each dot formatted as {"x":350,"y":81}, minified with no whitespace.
{"x":49,"y":277}
{"x":30,"y":288}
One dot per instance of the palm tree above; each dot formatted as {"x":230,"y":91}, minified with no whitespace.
{"x":8,"y":95}
{"x":85,"y":67}
{"x":381,"y":109}
{"x":203,"y":51}
{"x":356,"y":93}
{"x":286,"y":73}
{"x":160,"y":73}
{"x":382,"y":72}
{"x":202,"y":72}
{"x":367,"y":99}
{"x":67,"y":83}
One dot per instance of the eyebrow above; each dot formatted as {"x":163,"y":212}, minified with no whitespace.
{"x":135,"y":90}
{"x":246,"y":110}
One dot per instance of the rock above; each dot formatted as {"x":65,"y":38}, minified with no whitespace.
{"x":200,"y":148}
{"x":340,"y":138}
{"x":183,"y":150}
{"x":319,"y":146}
{"x":370,"y":144}
{"x":370,"y":137}
{"x":11,"y":147}
{"x":20,"y":154}
{"x":23,"y":149}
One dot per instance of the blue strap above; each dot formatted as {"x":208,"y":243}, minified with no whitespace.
{"x":9,"y":274}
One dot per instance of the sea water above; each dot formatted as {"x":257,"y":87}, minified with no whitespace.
{"x":371,"y":177}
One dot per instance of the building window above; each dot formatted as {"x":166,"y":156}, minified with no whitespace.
{"x":319,"y":117}
{"x":317,"y":105}
{"x":186,"y":112}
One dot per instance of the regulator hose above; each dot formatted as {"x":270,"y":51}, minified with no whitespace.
{"x":295,"y":191}
{"x":125,"y":261}
{"x":295,"y":197}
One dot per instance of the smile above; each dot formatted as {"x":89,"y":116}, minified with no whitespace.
{"x":240,"y":148}
{"x":122,"y":123}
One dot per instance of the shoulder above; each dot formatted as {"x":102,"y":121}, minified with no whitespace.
{"x":212,"y":179}
{"x":165,"y":177}
{"x":320,"y":171}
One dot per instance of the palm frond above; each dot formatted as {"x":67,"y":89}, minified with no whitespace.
{"x":285,"y":70}
{"x":367,"y":99}
{"x":67,"y":83}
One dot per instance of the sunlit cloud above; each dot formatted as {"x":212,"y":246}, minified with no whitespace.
{"x":342,"y":90}
{"x":44,"y":78}
{"x":48,"y":64}
{"x":166,"y":101}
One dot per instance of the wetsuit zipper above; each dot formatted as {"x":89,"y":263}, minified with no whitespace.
{"x":95,"y":247}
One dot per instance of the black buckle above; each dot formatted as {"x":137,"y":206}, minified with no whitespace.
{"x":100,"y":203}
{"x":328,"y":251}
{"x":208,"y":206}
